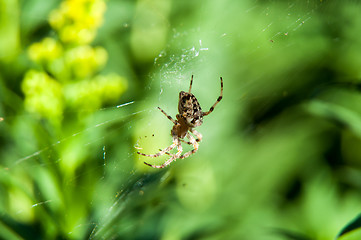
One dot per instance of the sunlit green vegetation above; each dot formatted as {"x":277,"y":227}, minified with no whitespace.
{"x":80,"y":82}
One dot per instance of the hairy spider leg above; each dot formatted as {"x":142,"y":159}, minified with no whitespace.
{"x":187,"y":142}
{"x":190,"y":86}
{"x":196,"y":133}
{"x":182,"y":140}
{"x":192,"y":141}
{"x":195,"y":147}
{"x":162,"y":152}
{"x":173,"y":158}
{"x":169,"y":117}
{"x":218,"y":100}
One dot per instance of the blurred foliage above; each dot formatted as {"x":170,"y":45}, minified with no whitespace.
{"x":72,"y":62}
{"x":80,"y":81}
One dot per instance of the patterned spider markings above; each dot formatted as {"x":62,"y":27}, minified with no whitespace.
{"x":190,"y":115}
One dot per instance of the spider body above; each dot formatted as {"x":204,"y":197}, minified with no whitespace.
{"x":190,"y":115}
{"x":181,"y":128}
{"x":190,"y":110}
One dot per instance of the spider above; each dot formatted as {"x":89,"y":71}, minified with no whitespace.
{"x":190,"y":116}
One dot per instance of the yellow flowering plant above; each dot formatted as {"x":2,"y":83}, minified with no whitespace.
{"x":68,"y":65}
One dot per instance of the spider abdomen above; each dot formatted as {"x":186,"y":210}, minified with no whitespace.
{"x":190,"y":109}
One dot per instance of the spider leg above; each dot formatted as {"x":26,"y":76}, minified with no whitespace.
{"x":187,"y":142}
{"x":197,"y":134}
{"x":182,"y":140}
{"x":169,"y":117}
{"x":173,"y":156}
{"x":190,"y":86}
{"x":218,"y":100}
{"x":194,"y":143}
{"x":161,"y":152}
{"x":198,"y":137}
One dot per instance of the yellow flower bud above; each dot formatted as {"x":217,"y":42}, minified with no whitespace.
{"x":43,"y":95}
{"x":46,"y":50}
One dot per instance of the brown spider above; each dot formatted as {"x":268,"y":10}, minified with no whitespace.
{"x":190,"y":116}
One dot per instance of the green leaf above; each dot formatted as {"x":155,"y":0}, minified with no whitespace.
{"x":354,"y":224}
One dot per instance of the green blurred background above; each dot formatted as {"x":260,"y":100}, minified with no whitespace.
{"x":80,"y":83}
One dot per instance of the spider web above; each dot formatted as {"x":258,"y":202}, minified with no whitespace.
{"x":148,"y":128}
